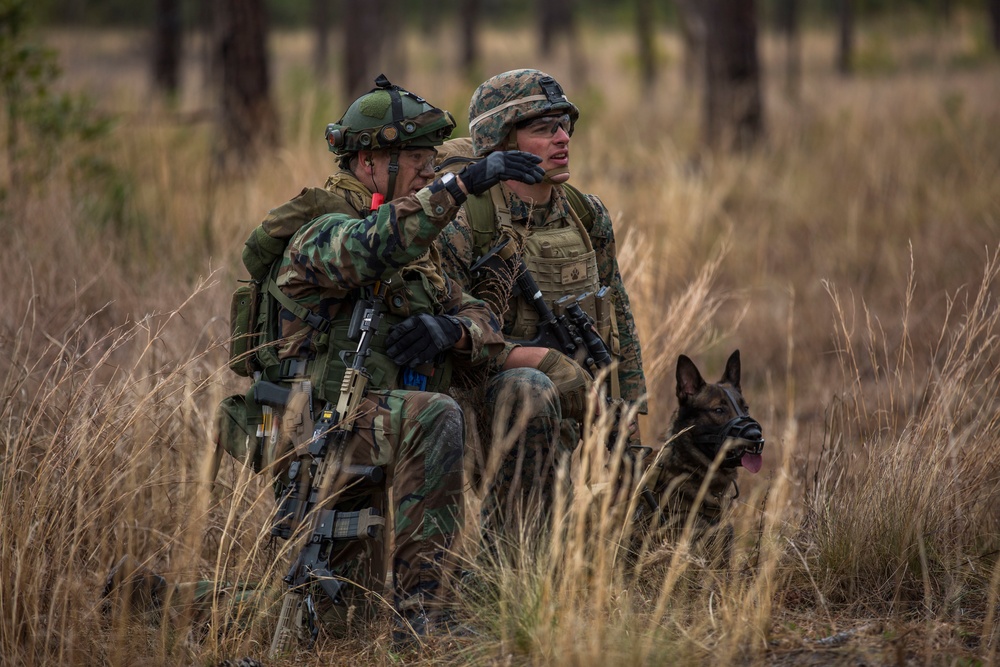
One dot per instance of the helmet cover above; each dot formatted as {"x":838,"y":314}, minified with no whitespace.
{"x":507,"y":99}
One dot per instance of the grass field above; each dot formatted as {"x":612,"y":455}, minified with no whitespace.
{"x":853,"y":260}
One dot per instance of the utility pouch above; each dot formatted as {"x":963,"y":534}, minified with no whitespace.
{"x":242,"y":318}
{"x":239,"y":422}
{"x":604,"y":309}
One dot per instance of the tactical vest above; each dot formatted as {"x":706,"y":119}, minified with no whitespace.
{"x":561,"y":259}
{"x":247,"y":427}
{"x":257,"y":307}
{"x":326,"y":371}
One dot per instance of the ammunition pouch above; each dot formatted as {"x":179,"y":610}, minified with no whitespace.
{"x":254,"y":428}
{"x":327,"y":371}
{"x":242,"y":319}
{"x":240,"y":426}
{"x":562,"y":266}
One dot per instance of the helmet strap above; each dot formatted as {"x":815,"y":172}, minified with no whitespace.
{"x":397,"y":120}
{"x":511,"y":141}
{"x":393,"y":172}
{"x":555,"y":172}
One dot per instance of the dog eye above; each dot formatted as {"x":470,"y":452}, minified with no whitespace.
{"x":719,"y":411}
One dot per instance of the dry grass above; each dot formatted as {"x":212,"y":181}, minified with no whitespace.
{"x":853,"y":260}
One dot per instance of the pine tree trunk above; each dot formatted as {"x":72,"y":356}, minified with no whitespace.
{"x":555,"y":19}
{"x":645,"y":32}
{"x":167,"y":46}
{"x":363,"y":35}
{"x":321,"y":23}
{"x":249,"y":120}
{"x":692,"y":27}
{"x":468,"y":25}
{"x":995,"y":22}
{"x":845,"y":42}
{"x":788,"y":25}
{"x":732,"y":112}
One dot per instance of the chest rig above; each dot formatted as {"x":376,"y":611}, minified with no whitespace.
{"x":560,"y":257}
{"x":410,"y":292}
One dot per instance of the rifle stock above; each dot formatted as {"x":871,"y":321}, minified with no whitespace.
{"x":310,"y":489}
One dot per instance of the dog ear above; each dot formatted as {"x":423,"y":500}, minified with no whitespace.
{"x":732,"y":374}
{"x":689,"y":380}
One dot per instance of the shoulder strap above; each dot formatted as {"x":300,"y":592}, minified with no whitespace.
{"x":482,"y":216}
{"x":580,"y":206}
{"x":317,"y":322}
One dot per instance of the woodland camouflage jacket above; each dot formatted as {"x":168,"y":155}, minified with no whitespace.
{"x":331,"y":257}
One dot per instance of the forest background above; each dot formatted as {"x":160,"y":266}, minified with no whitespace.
{"x":847,"y":245}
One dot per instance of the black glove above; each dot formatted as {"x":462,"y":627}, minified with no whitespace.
{"x":501,"y":166}
{"x":419,"y":338}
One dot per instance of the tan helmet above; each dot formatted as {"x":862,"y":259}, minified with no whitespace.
{"x":510,"y":98}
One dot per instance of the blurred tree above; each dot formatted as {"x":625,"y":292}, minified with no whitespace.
{"x":645,"y":34}
{"x":249,"y":120}
{"x":995,"y":20}
{"x":206,"y":51}
{"x":428,"y":16}
{"x":555,"y":19}
{"x":392,"y":40}
{"x":788,"y":25}
{"x":41,"y":127}
{"x":845,"y":41}
{"x":167,"y":46}
{"x":469,"y":21}
{"x":732,"y":109}
{"x":321,"y":21}
{"x":946,"y":9}
{"x":692,"y":35}
{"x":364,"y":34}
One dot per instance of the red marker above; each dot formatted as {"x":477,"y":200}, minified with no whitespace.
{"x":377,"y":200}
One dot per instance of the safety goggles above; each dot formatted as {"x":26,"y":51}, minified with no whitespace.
{"x":420,"y":157}
{"x":547,"y":126}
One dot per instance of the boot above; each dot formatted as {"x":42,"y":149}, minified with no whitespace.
{"x":129,"y":585}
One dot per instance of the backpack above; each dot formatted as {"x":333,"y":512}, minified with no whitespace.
{"x":454,"y":155}
{"x":256,"y":304}
{"x":245,"y":428}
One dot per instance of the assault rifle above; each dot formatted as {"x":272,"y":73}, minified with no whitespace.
{"x":309,"y":495}
{"x":572,"y":331}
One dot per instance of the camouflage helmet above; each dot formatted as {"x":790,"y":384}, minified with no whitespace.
{"x":388,"y":116}
{"x":509,"y":98}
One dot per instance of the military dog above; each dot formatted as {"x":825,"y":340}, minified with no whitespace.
{"x":694,"y":477}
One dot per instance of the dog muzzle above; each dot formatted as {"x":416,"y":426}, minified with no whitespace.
{"x":742,"y":435}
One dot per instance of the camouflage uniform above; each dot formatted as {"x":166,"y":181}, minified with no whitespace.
{"x":328,"y":270}
{"x":331,"y":262}
{"x":497,"y":105}
{"x":418,"y":436}
{"x":458,"y":253}
{"x":318,"y":259}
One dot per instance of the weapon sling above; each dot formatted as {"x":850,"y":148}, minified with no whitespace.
{"x":310,"y":491}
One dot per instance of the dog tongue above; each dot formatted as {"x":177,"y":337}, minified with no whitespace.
{"x":752,"y":462}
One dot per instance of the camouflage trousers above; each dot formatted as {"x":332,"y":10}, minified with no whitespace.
{"x":417,"y":438}
{"x":526,"y":440}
